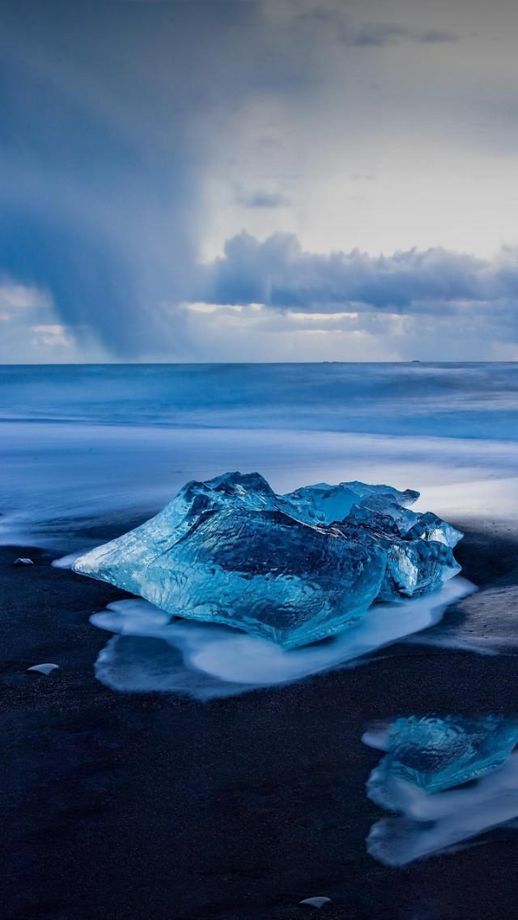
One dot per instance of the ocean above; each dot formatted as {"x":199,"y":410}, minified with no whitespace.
{"x":82,"y":447}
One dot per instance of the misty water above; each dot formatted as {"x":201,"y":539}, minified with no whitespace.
{"x":95,"y":444}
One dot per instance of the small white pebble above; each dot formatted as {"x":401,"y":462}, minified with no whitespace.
{"x":45,"y":668}
{"x":316,"y":902}
{"x":23,"y":560}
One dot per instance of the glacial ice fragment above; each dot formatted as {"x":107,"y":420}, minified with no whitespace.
{"x":436,"y":753}
{"x":445,"y":779}
{"x":419,"y":547}
{"x":46,"y":668}
{"x":268,"y":573}
{"x":292,"y":568}
{"x":317,"y":902}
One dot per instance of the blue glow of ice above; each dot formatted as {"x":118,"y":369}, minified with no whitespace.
{"x":437,"y":753}
{"x":291,"y":568}
{"x":423,"y":776}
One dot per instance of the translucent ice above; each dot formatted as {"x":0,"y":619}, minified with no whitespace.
{"x":291,"y":568}
{"x":448,"y":779}
{"x":438,"y":753}
{"x":317,"y":902}
{"x":428,"y":824}
{"x":268,"y":573}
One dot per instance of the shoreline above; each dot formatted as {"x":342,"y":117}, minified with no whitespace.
{"x":122,"y":805}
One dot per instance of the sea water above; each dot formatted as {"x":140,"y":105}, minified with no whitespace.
{"x":85,"y":449}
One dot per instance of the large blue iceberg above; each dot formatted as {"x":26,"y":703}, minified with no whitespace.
{"x":290,"y":568}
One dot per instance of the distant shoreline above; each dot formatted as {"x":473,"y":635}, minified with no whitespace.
{"x":410,"y":361}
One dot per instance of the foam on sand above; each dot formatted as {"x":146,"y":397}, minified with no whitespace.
{"x":151,"y":652}
{"x":428,"y":821}
{"x":433,"y":823}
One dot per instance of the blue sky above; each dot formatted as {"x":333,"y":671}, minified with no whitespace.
{"x":258,"y":180}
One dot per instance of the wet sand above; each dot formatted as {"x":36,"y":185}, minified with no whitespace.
{"x":125,"y":807}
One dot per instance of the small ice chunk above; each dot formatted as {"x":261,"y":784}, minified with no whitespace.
{"x":438,"y":753}
{"x":23,"y":560}
{"x":447,"y":779}
{"x":316,"y":902}
{"x":439,"y":822}
{"x":45,"y":668}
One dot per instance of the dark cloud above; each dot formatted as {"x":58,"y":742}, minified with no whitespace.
{"x":380,"y":34}
{"x":264,"y":199}
{"x":280,"y":274}
{"x":336,"y":19}
{"x":109,"y":114}
{"x":437,"y":36}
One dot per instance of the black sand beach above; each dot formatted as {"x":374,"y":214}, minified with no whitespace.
{"x":151,"y":806}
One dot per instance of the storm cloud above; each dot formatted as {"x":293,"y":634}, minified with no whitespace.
{"x":159,"y":155}
{"x":277,"y":272}
{"x":109,"y":113}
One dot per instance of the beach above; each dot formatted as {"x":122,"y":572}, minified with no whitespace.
{"x":137,"y":805}
{"x":258,"y":460}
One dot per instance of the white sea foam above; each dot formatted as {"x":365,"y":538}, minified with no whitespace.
{"x":58,"y":479}
{"x":486,"y":624}
{"x":149,"y":652}
{"x":66,"y":562}
{"x":434,"y":823}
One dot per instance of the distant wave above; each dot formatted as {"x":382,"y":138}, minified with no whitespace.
{"x":453,"y":400}
{"x":84,"y":449}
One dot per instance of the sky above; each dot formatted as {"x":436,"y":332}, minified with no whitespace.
{"x":258,"y":180}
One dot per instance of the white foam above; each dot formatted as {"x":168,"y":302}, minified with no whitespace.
{"x":206,"y":660}
{"x":434,"y":823}
{"x":480,"y":645}
{"x":486,"y":625}
{"x":66,"y":562}
{"x":109,"y":473}
{"x":377,"y":736}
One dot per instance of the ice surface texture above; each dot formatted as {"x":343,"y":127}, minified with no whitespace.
{"x":438,"y":753}
{"x":291,"y":568}
{"x":447,"y":779}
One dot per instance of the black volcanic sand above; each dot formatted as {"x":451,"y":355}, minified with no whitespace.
{"x":153,"y":807}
